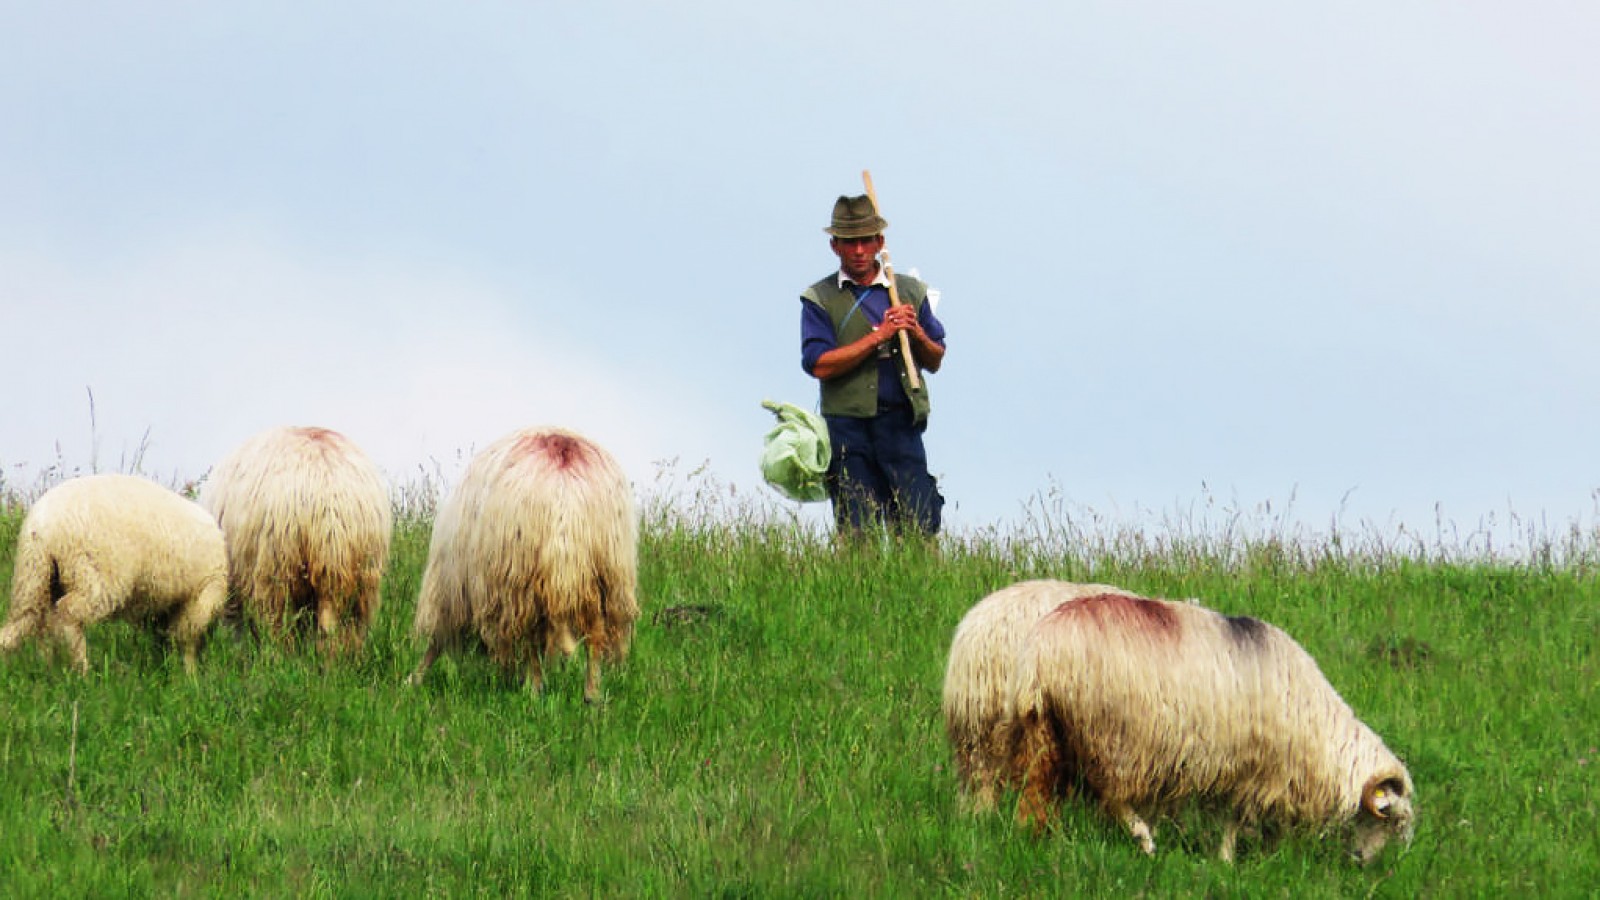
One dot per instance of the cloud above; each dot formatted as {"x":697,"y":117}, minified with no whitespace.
{"x":192,"y":344}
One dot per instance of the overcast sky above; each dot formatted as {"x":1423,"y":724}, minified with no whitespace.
{"x":1335,"y":257}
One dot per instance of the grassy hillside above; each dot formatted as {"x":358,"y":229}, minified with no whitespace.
{"x":776,"y":732}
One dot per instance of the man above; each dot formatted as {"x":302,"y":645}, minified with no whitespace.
{"x":850,"y":342}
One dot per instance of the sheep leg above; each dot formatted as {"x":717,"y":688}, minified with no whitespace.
{"x":1139,"y":828}
{"x":368,"y":596}
{"x":535,"y":673}
{"x":18,"y":628}
{"x":339,"y":636}
{"x":77,"y":606}
{"x":366,"y":604}
{"x":591,"y":684}
{"x":189,"y":628}
{"x":30,"y":595}
{"x":68,"y":630}
{"x":428,"y":658}
{"x":328,"y":623}
{"x":1041,"y":766}
{"x":30,"y":605}
{"x":1230,"y":839}
{"x":980,"y":796}
{"x":976,"y":781}
{"x":85,"y":600}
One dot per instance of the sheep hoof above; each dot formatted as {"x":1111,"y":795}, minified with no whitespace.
{"x":1230,"y":838}
{"x":1142,"y":834}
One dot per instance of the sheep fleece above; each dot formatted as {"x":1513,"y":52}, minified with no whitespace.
{"x":978,"y":675}
{"x":308,"y":521}
{"x":1150,"y":702}
{"x":116,"y":546}
{"x":536,"y":549}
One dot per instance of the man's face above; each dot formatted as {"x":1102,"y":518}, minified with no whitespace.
{"x":858,"y":257}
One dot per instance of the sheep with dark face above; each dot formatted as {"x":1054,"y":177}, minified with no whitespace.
{"x":978,"y":677}
{"x":534,"y":552}
{"x":116,"y":547}
{"x":1147,"y":704}
{"x":308,"y":521}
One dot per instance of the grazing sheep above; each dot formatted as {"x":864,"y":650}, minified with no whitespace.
{"x":116,"y":546}
{"x":307,"y":519}
{"x":1149,"y":703}
{"x":978,"y":675}
{"x":535,"y":550}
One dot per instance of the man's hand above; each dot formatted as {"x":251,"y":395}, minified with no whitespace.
{"x":903,"y":318}
{"x":900,"y":318}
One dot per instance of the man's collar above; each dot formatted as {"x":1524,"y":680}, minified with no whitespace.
{"x":880,"y":279}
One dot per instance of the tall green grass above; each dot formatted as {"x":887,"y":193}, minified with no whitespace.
{"x":776,"y":729}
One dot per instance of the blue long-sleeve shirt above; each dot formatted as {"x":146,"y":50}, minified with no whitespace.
{"x":817,"y":337}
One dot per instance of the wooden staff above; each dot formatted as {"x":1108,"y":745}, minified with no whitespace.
{"x":894,"y":294}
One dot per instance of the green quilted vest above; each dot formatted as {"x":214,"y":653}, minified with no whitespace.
{"x":856,"y":394}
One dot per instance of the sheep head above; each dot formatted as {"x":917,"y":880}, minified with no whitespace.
{"x":1386,"y":811}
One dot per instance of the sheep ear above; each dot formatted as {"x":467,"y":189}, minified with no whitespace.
{"x":1381,"y":794}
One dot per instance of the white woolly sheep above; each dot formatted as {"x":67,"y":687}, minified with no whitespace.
{"x":978,"y":676}
{"x":115,"y":546}
{"x":536,"y":549}
{"x":307,"y":519}
{"x":1151,"y":703}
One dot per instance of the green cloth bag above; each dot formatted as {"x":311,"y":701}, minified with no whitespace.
{"x":796,"y":453}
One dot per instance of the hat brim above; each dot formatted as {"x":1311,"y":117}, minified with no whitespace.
{"x":862,"y":230}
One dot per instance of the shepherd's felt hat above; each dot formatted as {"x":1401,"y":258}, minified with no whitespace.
{"x":856,"y":217}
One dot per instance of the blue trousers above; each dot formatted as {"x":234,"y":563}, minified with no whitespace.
{"x":879,"y":473}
